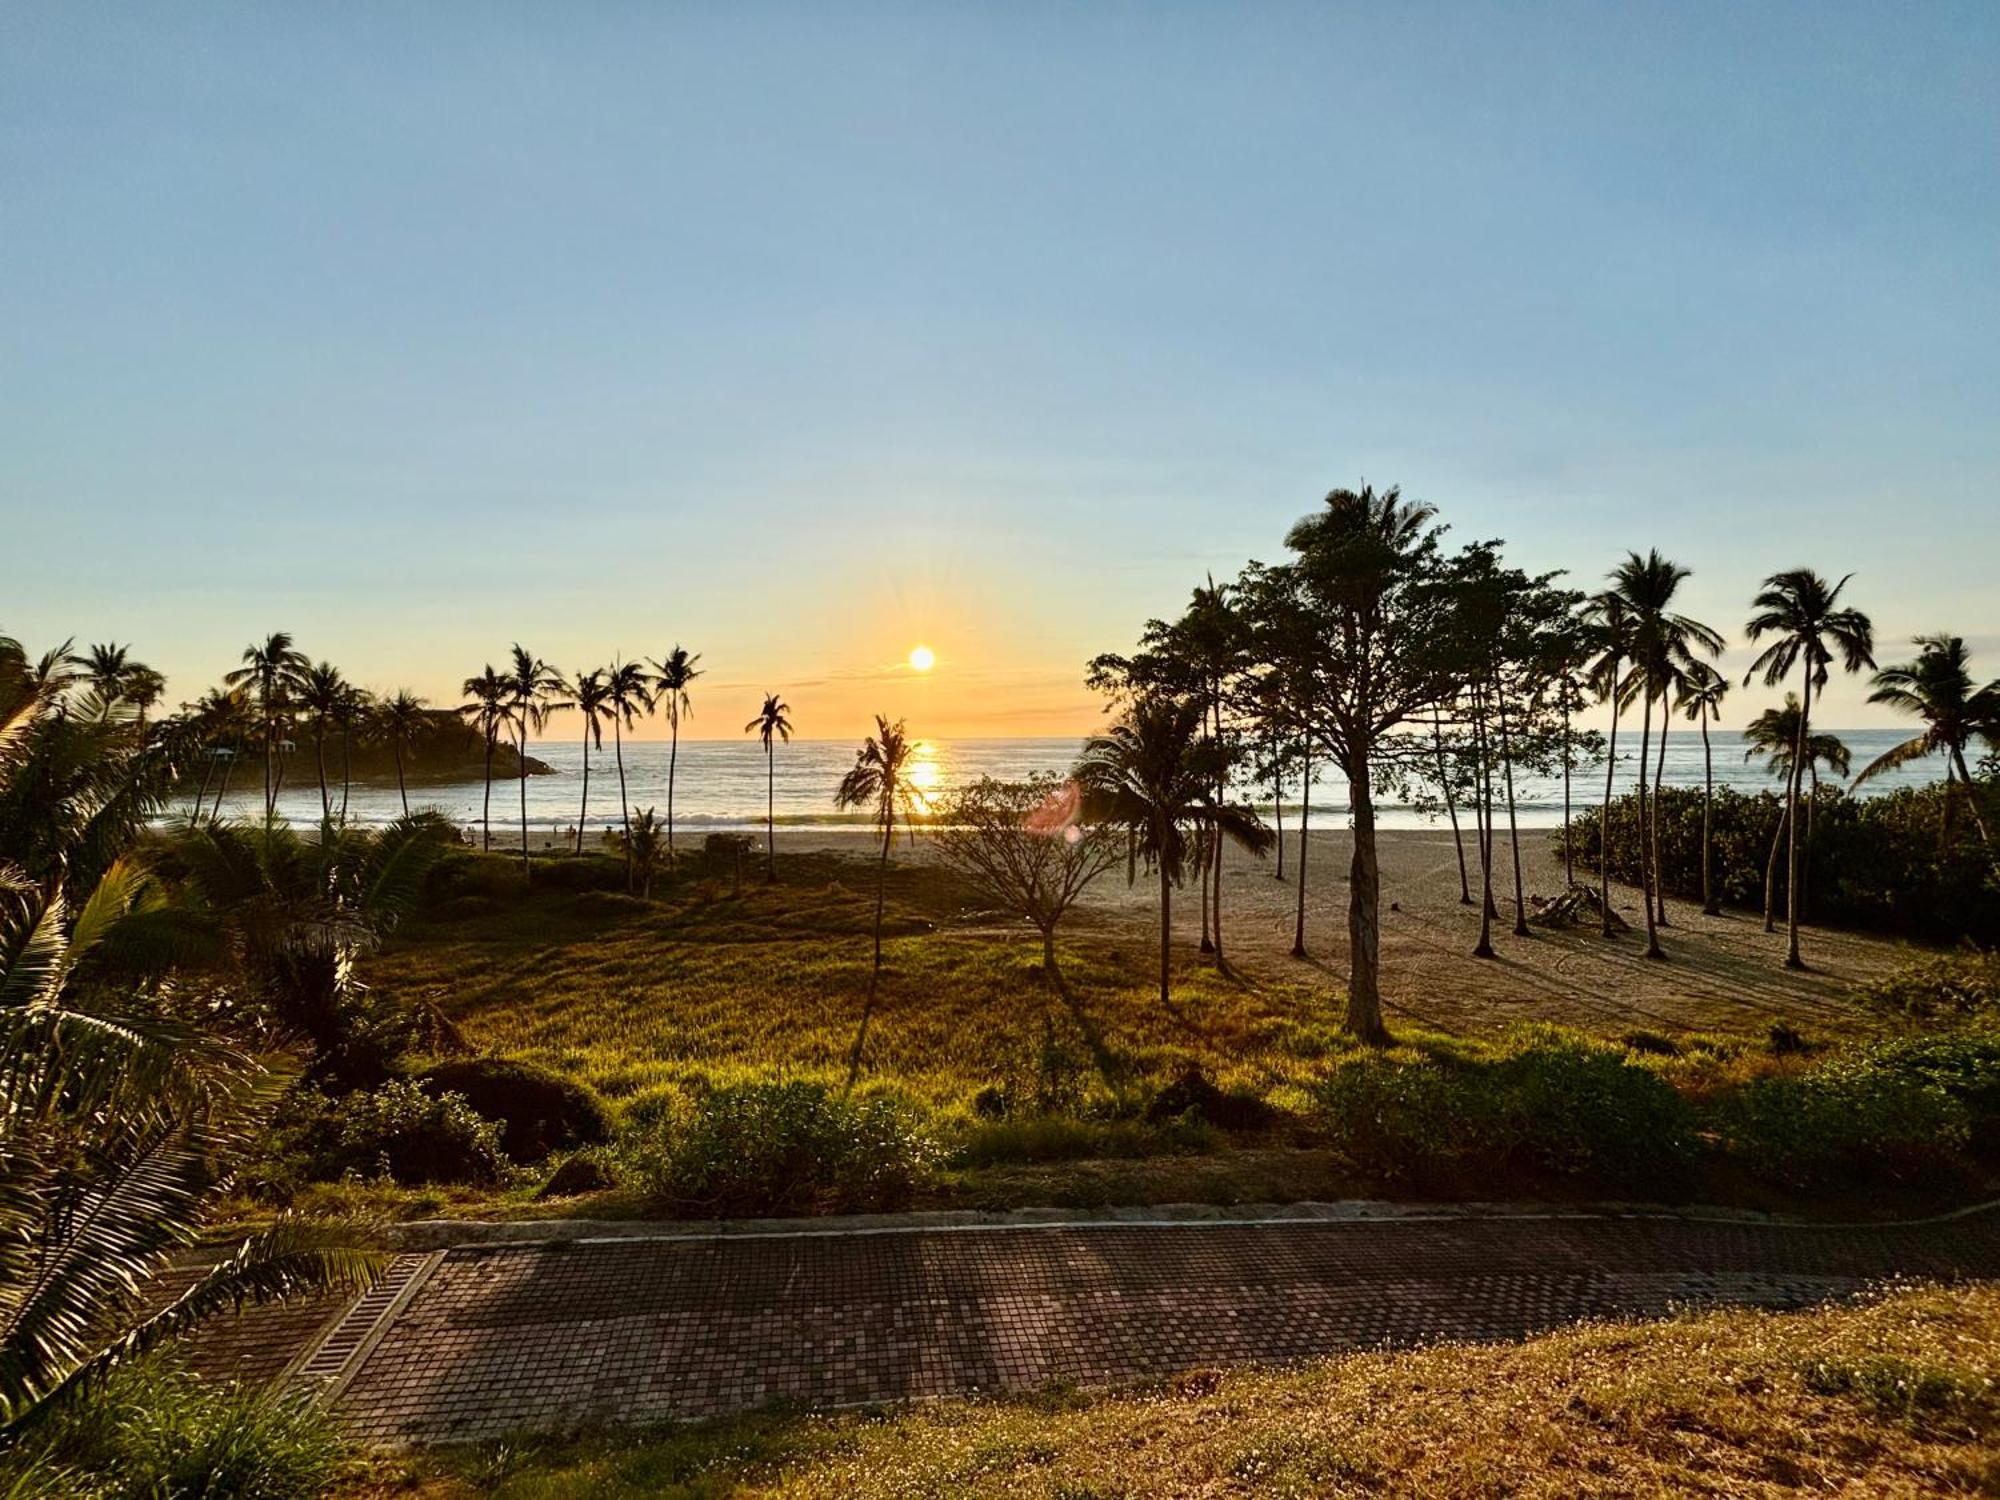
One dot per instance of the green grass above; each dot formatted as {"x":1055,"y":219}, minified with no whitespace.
{"x":1895,"y":1396}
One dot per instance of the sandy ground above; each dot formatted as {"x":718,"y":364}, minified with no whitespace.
{"x":1723,"y":973}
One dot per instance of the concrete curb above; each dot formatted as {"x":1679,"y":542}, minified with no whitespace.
{"x":458,"y":1234}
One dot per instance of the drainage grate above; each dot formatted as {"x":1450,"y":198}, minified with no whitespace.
{"x":335,"y":1360}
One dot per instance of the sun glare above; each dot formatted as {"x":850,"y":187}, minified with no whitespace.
{"x":922,"y":658}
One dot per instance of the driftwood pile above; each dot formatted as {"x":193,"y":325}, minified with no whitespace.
{"x":1576,"y":907}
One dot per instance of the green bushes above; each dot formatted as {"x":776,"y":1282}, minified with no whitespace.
{"x":400,"y":1131}
{"x":1547,"y":1102}
{"x":1849,"y":1120}
{"x":538,"y":1111}
{"x":785,"y":1148}
{"x":153,"y":1433}
{"x":1946,"y":985}
{"x":1048,"y":1138}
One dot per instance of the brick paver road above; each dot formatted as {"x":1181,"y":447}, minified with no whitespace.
{"x":500,"y":1339}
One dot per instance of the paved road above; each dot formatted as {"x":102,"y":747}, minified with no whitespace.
{"x":478,"y":1342}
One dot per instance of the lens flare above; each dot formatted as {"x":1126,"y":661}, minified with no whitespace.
{"x":922,"y":658}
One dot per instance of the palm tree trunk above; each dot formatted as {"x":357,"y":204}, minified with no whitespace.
{"x":1771,"y":860}
{"x":1450,"y":805}
{"x":201,"y":792}
{"x":1513,"y":827}
{"x":1221,"y":795}
{"x":346,"y":771}
{"x":319,"y":755}
{"x":1483,"y":811}
{"x":1166,"y":937}
{"x":1201,"y":871}
{"x":1278,"y":805}
{"x":875,"y":971}
{"x":270,"y":758}
{"x":1971,"y":793}
{"x":770,"y":816}
{"x":1792,"y":959}
{"x":1569,"y":845}
{"x":1708,"y":904}
{"x":527,"y":871}
{"x":625,"y":800}
{"x":1604,"y":821}
{"x":583,"y":810}
{"x":1659,"y":782}
{"x":486,"y":807}
{"x":402,"y":791}
{"x":673,"y":755}
{"x":1305,"y":830}
{"x":1653,"y":949}
{"x":229,"y":765}
{"x":1364,"y":912}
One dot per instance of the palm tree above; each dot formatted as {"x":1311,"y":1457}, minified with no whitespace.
{"x":1662,"y":646}
{"x":144,"y":687}
{"x":879,"y":781}
{"x":771,"y":720}
{"x":532,"y":687}
{"x":1701,"y":695}
{"x":105,"y":669}
{"x":321,"y":690}
{"x":590,"y":696}
{"x":675,"y":675}
{"x":1804,"y":613}
{"x":218,"y":728}
{"x":629,"y":698}
{"x":645,"y":848}
{"x":1774,"y":736}
{"x":350,"y":713}
{"x":1153,"y":772}
{"x":401,"y":720}
{"x":486,"y":708}
{"x":1937,"y":688}
{"x":1606,"y":617}
{"x":270,"y":669}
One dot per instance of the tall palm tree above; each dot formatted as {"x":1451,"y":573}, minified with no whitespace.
{"x":270,"y":669}
{"x":1662,"y":645}
{"x":676,"y":673}
{"x":1702,"y":692}
{"x":486,"y":708}
{"x":532,"y":687}
{"x":144,"y":687}
{"x":590,"y":695}
{"x":1606,"y":617}
{"x":1938,"y":689}
{"x":350,"y":714}
{"x":1153,"y":773}
{"x":880,"y":782}
{"x":1773,"y":736}
{"x":218,"y":726}
{"x":400,"y":719}
{"x":105,"y":669}
{"x":1810,"y":625}
{"x":772,"y":720}
{"x":321,"y":690}
{"x":630,"y":697}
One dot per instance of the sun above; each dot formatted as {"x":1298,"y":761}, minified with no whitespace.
{"x":922,"y":658}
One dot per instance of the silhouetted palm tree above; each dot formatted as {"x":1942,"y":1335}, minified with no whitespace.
{"x":1805,"y":614}
{"x":1153,"y":773}
{"x":401,"y":720}
{"x":1607,"y":618}
{"x":531,"y":686}
{"x":771,"y":721}
{"x":645,"y":848}
{"x":590,"y":696}
{"x":321,"y":689}
{"x":1702,"y":692}
{"x":144,"y":687}
{"x":630,"y":698}
{"x":486,"y":708}
{"x":218,"y":724}
{"x":350,"y":713}
{"x":105,"y":669}
{"x":880,"y":782}
{"x":675,"y":675}
{"x":1773,"y":736}
{"x":1937,"y":688}
{"x":270,"y":669}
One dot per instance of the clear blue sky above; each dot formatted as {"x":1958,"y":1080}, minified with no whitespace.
{"x":802,"y":334}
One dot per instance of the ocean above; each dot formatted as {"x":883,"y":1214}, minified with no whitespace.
{"x":720,"y":784}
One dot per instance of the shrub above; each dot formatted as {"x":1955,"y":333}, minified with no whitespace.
{"x":402,"y":1132}
{"x":152,"y":1431}
{"x":538,"y":1111}
{"x":1549,"y":1102}
{"x":1057,"y":1138}
{"x":1947,"y":984}
{"x":1851,"y":1119}
{"x":1192,"y":1095}
{"x":1965,"y":1065}
{"x":776,"y":1148}
{"x":467,"y":873}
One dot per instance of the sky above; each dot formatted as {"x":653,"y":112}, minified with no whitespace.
{"x":805,"y":334}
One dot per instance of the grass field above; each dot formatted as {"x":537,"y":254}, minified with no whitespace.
{"x":1894,"y":1396}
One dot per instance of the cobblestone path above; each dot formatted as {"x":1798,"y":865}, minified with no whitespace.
{"x":478,"y":1342}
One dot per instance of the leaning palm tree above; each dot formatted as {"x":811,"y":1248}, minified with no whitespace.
{"x":1154,"y":774}
{"x":771,"y":720}
{"x":629,"y":697}
{"x":675,"y":675}
{"x":270,"y":670}
{"x":321,"y":690}
{"x":1608,"y":622}
{"x":486,"y":709}
{"x":1662,"y":647}
{"x":532,"y":688}
{"x":1803,"y":611}
{"x":400,"y":719}
{"x":1938,"y":689}
{"x":879,"y":781}
{"x":1702,"y":692}
{"x":590,"y":696}
{"x":217,"y":720}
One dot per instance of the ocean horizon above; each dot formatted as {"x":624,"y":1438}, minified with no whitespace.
{"x":720,"y":784}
